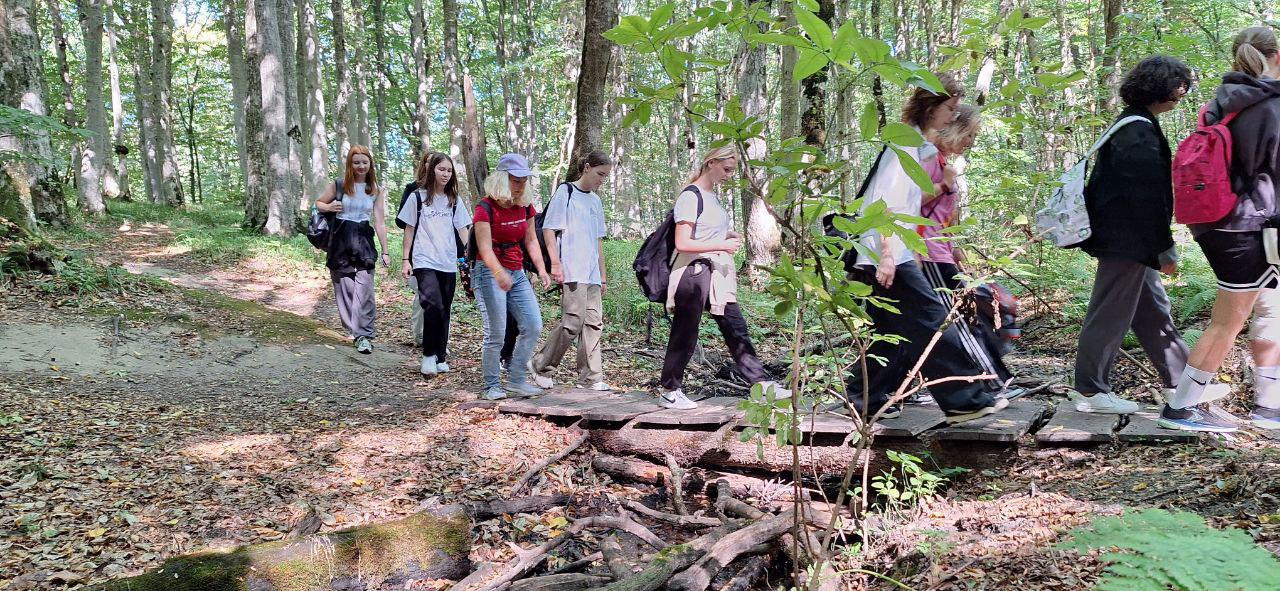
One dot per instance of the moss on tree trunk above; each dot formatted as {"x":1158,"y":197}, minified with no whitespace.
{"x":427,"y":545}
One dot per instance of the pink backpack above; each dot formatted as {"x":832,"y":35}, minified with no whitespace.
{"x":1202,"y":173}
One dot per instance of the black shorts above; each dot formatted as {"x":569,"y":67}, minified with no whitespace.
{"x":1239,"y":260}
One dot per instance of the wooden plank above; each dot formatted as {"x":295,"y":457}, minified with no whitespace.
{"x":1142,"y":428}
{"x":827,"y":422}
{"x":1005,"y":426}
{"x":478,"y":403}
{"x":625,"y":407}
{"x":540,"y":404}
{"x":1069,"y":425}
{"x":712,"y":411}
{"x":914,"y":420}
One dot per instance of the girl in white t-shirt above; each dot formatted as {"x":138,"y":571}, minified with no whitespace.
{"x":435,"y":222}
{"x":704,"y":277}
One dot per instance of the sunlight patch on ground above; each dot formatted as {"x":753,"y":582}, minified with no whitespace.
{"x":235,"y":446}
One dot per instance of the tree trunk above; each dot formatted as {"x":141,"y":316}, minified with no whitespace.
{"x":28,"y":187}
{"x":380,"y":91}
{"x":789,"y":110}
{"x":627,"y":212}
{"x":1110,"y":72}
{"x":763,"y":236}
{"x":278,"y":218}
{"x":115,"y":181}
{"x":477,"y":162}
{"x":285,"y":11}
{"x":88,"y":189}
{"x":318,"y":158}
{"x":877,"y":86}
{"x":360,"y":130}
{"x":421,"y":65}
{"x":453,"y":99}
{"x":97,"y":154}
{"x":813,"y":121}
{"x":255,"y":183}
{"x":232,"y":19}
{"x":142,"y":89}
{"x":987,"y":72}
{"x":599,"y":16}
{"x":161,"y":76}
{"x":342,"y":95}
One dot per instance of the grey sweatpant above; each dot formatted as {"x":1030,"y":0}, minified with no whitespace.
{"x":354,"y":293}
{"x":1127,"y":295}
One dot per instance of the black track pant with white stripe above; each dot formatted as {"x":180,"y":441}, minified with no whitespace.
{"x":978,"y":341}
{"x":1127,"y":295}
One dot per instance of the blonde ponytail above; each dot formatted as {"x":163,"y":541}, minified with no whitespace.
{"x":724,"y":152}
{"x":1252,"y":48}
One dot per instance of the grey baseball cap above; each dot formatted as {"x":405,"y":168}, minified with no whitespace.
{"x":514,"y":165}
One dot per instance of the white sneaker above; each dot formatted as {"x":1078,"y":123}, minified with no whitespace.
{"x":778,"y":390}
{"x":442,"y":367}
{"x":1103,"y":403}
{"x":429,"y":366}
{"x":676,"y":400}
{"x":598,"y":387}
{"x":493,"y":394}
{"x":539,"y":380}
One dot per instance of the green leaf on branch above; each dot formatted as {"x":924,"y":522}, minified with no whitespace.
{"x":913,"y":168}
{"x":869,"y":122}
{"x":902,"y":134}
{"x":845,"y":37}
{"x":662,"y":14}
{"x":778,"y":39}
{"x":808,"y":62}
{"x":817,"y":30}
{"x":673,"y":60}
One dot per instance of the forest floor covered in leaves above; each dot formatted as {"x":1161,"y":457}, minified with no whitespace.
{"x":145,"y":421}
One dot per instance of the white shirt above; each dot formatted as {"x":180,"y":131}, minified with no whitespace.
{"x":434,"y":245}
{"x":901,"y":195}
{"x":357,"y":207}
{"x":581,"y":220}
{"x":712,"y":226}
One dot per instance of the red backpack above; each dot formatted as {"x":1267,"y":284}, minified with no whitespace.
{"x":1202,"y":173}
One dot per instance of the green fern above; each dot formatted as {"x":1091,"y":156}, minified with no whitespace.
{"x":1155,"y":550}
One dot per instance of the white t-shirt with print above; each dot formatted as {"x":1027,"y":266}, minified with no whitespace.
{"x":582,"y":225}
{"x":713,"y":225}
{"x":433,"y":243}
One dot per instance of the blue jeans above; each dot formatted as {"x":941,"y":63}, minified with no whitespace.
{"x":494,"y":304}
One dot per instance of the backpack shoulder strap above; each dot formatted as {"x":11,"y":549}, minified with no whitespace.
{"x":875,"y":166}
{"x":1110,"y":132}
{"x":337,"y":190}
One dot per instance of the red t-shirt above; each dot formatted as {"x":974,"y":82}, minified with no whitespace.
{"x":509,"y":226}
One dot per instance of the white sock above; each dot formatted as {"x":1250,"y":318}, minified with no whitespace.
{"x":1190,"y":387}
{"x":1266,"y":382}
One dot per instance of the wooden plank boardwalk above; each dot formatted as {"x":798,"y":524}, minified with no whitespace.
{"x":1048,"y":421}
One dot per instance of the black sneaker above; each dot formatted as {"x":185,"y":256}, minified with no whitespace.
{"x":1194,"y":418}
{"x":957,"y":416}
{"x":891,"y":411}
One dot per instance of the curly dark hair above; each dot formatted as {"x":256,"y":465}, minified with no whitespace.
{"x":920,"y":105}
{"x":1155,"y":80}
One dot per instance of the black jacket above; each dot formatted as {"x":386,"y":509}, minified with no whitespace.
{"x":1130,"y":193}
{"x":1255,"y":149}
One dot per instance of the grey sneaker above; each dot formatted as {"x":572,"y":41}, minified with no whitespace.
{"x":442,"y":367}
{"x":597,"y":387}
{"x":429,"y":366}
{"x":778,"y":391}
{"x":1105,"y":403}
{"x":676,"y":400}
{"x":493,"y":394}
{"x":1194,"y":418}
{"x":955,"y":417}
{"x":1265,"y":418}
{"x":363,"y":345}
{"x":538,"y":379}
{"x":523,"y":388}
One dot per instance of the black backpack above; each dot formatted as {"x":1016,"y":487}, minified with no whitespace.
{"x":320,"y":226}
{"x":537,"y":230}
{"x":850,"y":256}
{"x":473,"y":251}
{"x":653,"y":262}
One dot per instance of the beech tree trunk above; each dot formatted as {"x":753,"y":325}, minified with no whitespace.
{"x":255,"y":183}
{"x":284,"y":11}
{"x":275,"y":216}
{"x":1110,"y":78}
{"x":138,"y":29}
{"x":232,"y":20}
{"x":813,"y":120}
{"x":316,"y":173}
{"x":454,"y":102}
{"x":161,"y":76}
{"x":97,"y":153}
{"x":763,"y":236}
{"x":380,"y":90}
{"x":360,"y":82}
{"x":599,"y":16}
{"x":27,"y":188}
{"x":115,"y":180}
{"x":477,"y":162}
{"x":342,"y":94}
{"x":789,"y":109}
{"x":88,"y":189}
{"x":422,"y":90}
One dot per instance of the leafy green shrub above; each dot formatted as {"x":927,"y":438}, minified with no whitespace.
{"x":1156,"y":550}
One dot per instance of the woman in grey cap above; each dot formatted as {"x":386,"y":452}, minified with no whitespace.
{"x":503,"y":224}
